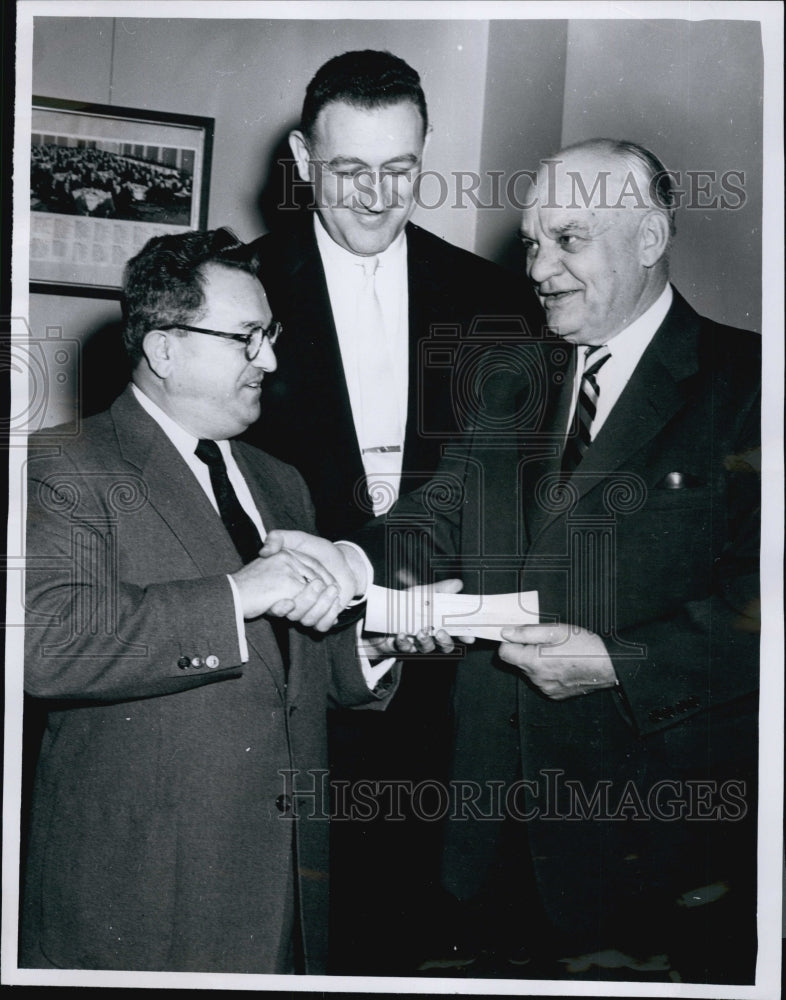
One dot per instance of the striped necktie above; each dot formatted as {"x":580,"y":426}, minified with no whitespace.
{"x":586,"y":407}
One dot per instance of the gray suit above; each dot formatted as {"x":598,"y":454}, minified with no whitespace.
{"x":162,"y":834}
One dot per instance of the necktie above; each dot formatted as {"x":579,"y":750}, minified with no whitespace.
{"x":241,"y":528}
{"x":379,"y":422}
{"x":586,"y":407}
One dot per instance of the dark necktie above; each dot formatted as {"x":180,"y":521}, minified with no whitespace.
{"x":586,"y":407}
{"x":241,"y":528}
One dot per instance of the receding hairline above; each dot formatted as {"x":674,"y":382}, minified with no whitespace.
{"x":622,"y":158}
{"x":579,"y":167}
{"x":582,"y":156}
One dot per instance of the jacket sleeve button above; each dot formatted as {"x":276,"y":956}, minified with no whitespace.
{"x":197,"y":662}
{"x":211,"y":662}
{"x":184,"y":663}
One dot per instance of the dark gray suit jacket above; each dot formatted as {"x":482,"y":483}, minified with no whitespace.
{"x":459,"y":304}
{"x":653,"y":544}
{"x":161,"y":835}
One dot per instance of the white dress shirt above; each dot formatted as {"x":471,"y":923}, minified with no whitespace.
{"x":344,"y":276}
{"x":186,"y":445}
{"x":625,"y":352}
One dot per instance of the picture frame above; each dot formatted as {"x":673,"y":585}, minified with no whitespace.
{"x":103,"y":181}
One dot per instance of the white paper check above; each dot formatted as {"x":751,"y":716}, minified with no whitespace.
{"x":394,"y":611}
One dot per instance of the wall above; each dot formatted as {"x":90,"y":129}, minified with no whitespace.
{"x":250,"y":76}
{"x":502,"y":94}
{"x":523,"y":122}
{"x":691,"y":91}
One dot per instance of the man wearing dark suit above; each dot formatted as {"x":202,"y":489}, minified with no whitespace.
{"x":363,"y":403}
{"x":618,"y":738}
{"x":186,"y":677}
{"x":364,"y":129}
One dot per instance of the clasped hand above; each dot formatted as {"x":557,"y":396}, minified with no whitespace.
{"x":309,"y":580}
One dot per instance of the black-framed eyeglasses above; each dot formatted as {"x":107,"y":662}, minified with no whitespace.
{"x":252,"y":341}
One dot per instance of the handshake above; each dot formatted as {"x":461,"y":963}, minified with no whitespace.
{"x":310,"y":580}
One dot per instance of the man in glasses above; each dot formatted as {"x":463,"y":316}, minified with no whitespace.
{"x":380,"y":315}
{"x":186,"y":677}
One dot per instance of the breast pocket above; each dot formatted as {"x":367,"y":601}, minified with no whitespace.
{"x":671,"y":543}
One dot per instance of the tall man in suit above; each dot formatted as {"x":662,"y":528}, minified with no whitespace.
{"x":186,"y":677}
{"x":363,"y":421}
{"x":382,"y":318}
{"x":617,"y":739}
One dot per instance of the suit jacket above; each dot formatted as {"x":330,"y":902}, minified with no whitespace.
{"x":163,"y":831}
{"x":457,"y":301}
{"x":653,"y":544}
{"x":458,"y":305}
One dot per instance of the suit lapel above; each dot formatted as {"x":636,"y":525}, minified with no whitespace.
{"x":322,"y":373}
{"x":648,"y":402}
{"x":181,"y":502}
{"x":651,"y":398}
{"x":542,"y":453}
{"x":420,"y":296}
{"x":172,"y":489}
{"x":275,"y":509}
{"x":428,"y":294}
{"x":267,"y":493}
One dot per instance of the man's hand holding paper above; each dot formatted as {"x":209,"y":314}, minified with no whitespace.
{"x":420,"y":619}
{"x":469,"y":616}
{"x":562,"y":661}
{"x":425,"y":639}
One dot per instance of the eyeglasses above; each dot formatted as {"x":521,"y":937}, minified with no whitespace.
{"x":252,"y":341}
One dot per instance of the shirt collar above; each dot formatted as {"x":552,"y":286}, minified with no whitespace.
{"x":635,"y":338}
{"x":183,"y":440}
{"x":336,"y":255}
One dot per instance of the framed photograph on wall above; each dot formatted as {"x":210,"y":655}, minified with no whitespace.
{"x":103,"y":181}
